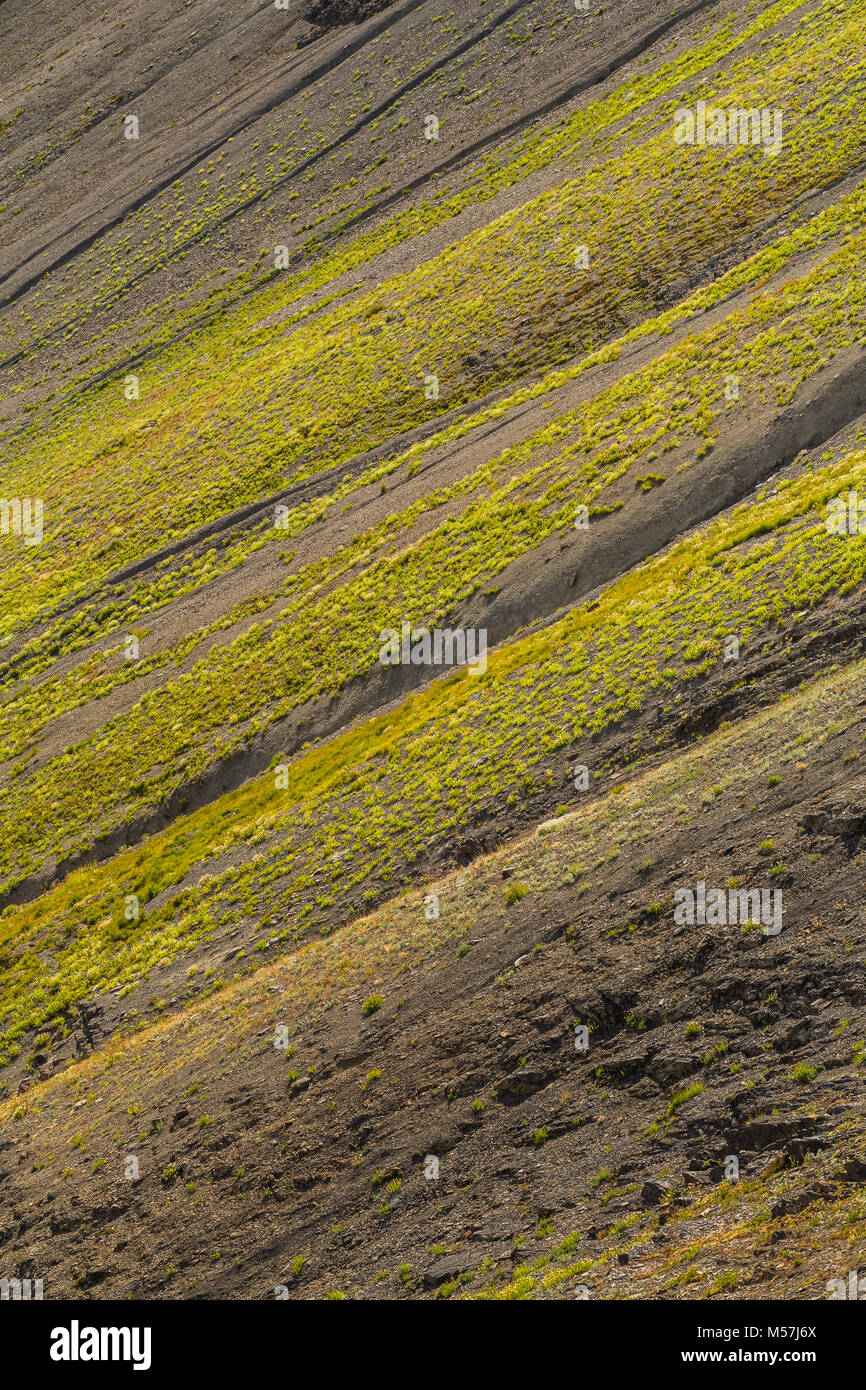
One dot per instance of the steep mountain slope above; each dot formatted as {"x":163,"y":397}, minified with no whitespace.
{"x":326,"y":321}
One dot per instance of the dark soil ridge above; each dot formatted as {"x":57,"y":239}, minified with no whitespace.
{"x":544,"y":586}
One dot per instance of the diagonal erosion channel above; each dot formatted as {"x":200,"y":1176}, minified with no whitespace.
{"x":835,"y":397}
